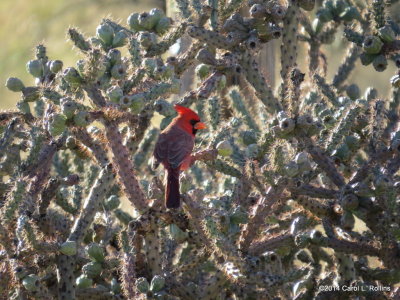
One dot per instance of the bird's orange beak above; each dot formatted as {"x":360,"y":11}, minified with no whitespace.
{"x":200,"y":125}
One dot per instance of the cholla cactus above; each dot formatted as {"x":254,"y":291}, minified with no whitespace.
{"x":284,"y":183}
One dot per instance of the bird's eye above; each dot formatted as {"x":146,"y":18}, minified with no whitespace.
{"x":193,"y":122}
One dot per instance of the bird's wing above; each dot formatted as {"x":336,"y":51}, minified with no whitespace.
{"x":173,"y":147}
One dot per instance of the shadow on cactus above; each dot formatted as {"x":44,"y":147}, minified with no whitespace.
{"x":292,"y":194}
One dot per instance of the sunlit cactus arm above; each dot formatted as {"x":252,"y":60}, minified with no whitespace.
{"x":185,"y":60}
{"x":66,"y":277}
{"x":98,"y":151}
{"x":194,"y":211}
{"x":230,"y":8}
{"x":254,"y":76}
{"x":343,"y":127}
{"x":271,"y":244}
{"x":180,"y":289}
{"x":78,"y":39}
{"x":92,"y":204}
{"x":168,"y":41}
{"x":312,"y":191}
{"x":96,"y":293}
{"x":325,"y":89}
{"x":238,"y":104}
{"x":8,"y":134}
{"x":251,"y":229}
{"x":223,"y":167}
{"x":324,"y":162}
{"x":152,"y":248}
{"x":289,"y":41}
{"x":315,"y":207}
{"x":125,"y":168}
{"x":347,"y":66}
{"x":210,"y":37}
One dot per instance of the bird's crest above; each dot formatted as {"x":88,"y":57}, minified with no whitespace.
{"x":187,"y":112}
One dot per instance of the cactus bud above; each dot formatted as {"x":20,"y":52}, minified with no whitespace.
{"x":347,"y":220}
{"x":149,"y":64}
{"x":157,"y":283}
{"x":35,"y":68}
{"x":324,"y":15}
{"x":301,"y":158}
{"x":177,"y":234}
{"x":137,"y":103}
{"x":147,"y":39}
{"x":164,"y":108}
{"x":315,"y":236}
{"x":252,"y":150}
{"x":317,"y":25}
{"x":112,"y":203}
{"x":56,"y":66}
{"x":176,"y":85}
{"x":386,"y":33}
{"x":133,"y":22}
{"x":147,"y":21}
{"x":156,"y":14}
{"x":372,"y":44}
{"x":339,"y":6}
{"x":114,"y":93}
{"x":95,"y":252}
{"x":349,"y":202}
{"x":249,"y":137}
{"x":14,"y":84}
{"x":382,"y":182}
{"x":287,"y":125}
{"x":68,"y":248}
{"x":105,"y":33}
{"x":301,"y":240}
{"x":349,"y":14}
{"x":395,"y":81}
{"x":163,"y":25}
{"x":72,"y":76}
{"x":395,"y":145}
{"x":352,"y":142}
{"x":83,"y":282}
{"x":92,"y":269}
{"x":281,"y":116}
{"x":304,"y":121}
{"x":56,"y":124}
{"x":120,"y":39}
{"x":343,"y":101}
{"x":68,"y":107}
{"x":202,"y":71}
{"x":23,"y":107}
{"x":366,"y":58}
{"x":31,"y":282}
{"x":221,"y":83}
{"x":115,"y":287}
{"x":342,"y":153}
{"x":238,"y":216}
{"x":380,"y":63}
{"x":82,"y":119}
{"x":291,"y":169}
{"x":114,"y":56}
{"x":142,"y":285}
{"x":224,"y":148}
{"x":371,"y":93}
{"x":353,"y":91}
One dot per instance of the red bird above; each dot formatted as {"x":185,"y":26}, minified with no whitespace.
{"x":173,"y":149}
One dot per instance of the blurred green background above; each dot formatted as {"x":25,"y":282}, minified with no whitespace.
{"x":24,"y":24}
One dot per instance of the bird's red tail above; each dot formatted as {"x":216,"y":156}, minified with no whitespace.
{"x":172,"y":196}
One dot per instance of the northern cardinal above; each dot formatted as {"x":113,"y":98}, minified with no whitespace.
{"x":173,"y":149}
